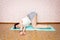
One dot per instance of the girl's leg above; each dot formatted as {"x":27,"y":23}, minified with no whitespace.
{"x":34,"y":21}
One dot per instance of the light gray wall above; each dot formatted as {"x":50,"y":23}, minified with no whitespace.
{"x":14,"y":10}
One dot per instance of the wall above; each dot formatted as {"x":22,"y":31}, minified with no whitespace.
{"x":14,"y":10}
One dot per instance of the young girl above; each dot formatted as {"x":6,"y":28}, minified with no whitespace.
{"x":29,"y":19}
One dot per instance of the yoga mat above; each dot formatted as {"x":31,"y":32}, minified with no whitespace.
{"x":30,"y":28}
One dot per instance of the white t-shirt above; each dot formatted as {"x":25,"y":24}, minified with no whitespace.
{"x":26,"y":21}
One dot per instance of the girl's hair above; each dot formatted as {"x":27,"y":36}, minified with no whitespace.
{"x":15,"y":25}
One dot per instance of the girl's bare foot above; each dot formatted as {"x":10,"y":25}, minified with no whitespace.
{"x":21,"y":33}
{"x":24,"y":33}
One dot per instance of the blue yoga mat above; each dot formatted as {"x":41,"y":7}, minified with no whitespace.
{"x":30,"y":28}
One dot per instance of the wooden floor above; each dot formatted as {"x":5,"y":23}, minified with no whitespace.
{"x":7,"y":34}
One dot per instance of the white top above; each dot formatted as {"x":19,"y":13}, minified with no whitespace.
{"x":26,"y":21}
